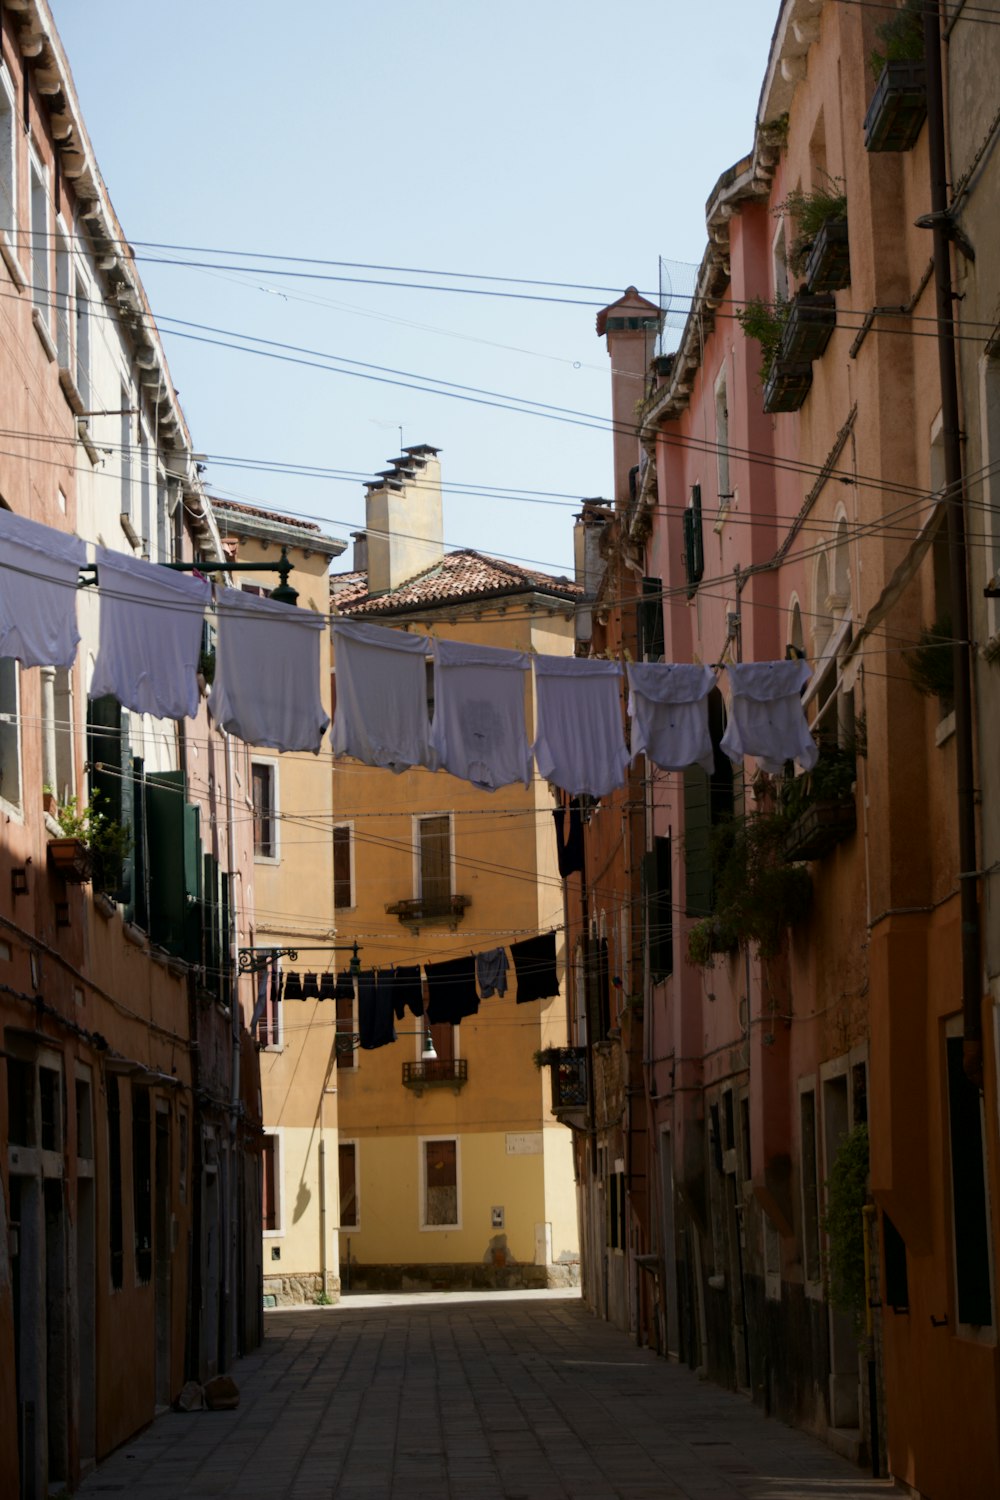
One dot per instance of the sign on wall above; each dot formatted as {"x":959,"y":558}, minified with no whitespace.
{"x":524,"y":1143}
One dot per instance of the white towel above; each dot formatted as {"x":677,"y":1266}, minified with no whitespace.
{"x":580,"y":738}
{"x":266,"y":688}
{"x":151,"y":630}
{"x":39,"y":572}
{"x":766,"y":717}
{"x":479,"y":732}
{"x":381,"y":714}
{"x":668,"y":705}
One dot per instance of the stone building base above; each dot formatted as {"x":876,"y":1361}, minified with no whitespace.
{"x":464,"y":1277}
{"x":300,"y":1289}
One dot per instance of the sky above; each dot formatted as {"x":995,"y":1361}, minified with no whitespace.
{"x":557,"y":142}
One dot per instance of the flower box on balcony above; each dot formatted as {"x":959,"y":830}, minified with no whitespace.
{"x":71,"y":859}
{"x":423,"y":910}
{"x":820,"y":828}
{"x":787,"y":385}
{"x":808,"y":328}
{"x":828,"y":265}
{"x":898,"y":108}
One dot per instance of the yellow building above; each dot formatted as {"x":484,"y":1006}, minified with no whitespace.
{"x":452,"y":1169}
{"x":289,"y":798}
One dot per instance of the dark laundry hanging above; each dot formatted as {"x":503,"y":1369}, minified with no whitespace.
{"x":451,"y":990}
{"x":344,"y":988}
{"x":491,"y":971}
{"x":375,"y":1025}
{"x":293,"y":986}
{"x":535,"y":967}
{"x":408,"y":990}
{"x":569,"y":842}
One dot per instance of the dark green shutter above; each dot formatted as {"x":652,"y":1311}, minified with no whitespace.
{"x":651,"y":619}
{"x":137,"y":908}
{"x":697,"y":843}
{"x":697,"y":545}
{"x":657,"y":886}
{"x":175,"y":885}
{"x":110,"y":773}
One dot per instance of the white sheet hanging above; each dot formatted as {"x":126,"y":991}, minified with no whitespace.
{"x":766,"y":717}
{"x":478,"y":731}
{"x":39,"y":572}
{"x":381,"y":715}
{"x":580,"y":739}
{"x":668,"y":705}
{"x":266,"y":688}
{"x":151,"y":630}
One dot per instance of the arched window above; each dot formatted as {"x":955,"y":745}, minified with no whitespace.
{"x":841,"y":566}
{"x":822,"y":623}
{"x":795,"y":636}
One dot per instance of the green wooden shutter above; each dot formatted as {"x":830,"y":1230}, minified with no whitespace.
{"x":697,"y":843}
{"x":137,"y":908}
{"x":697,"y":545}
{"x":175,"y":884}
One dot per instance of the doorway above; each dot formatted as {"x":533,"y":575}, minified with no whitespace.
{"x":161,"y":1257}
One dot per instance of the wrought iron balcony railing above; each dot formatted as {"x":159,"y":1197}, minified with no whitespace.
{"x":422,"y":910}
{"x":436,"y":1073}
{"x":568,"y":1073}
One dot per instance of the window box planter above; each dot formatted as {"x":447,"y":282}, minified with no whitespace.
{"x":820,"y":828}
{"x":787,"y":385}
{"x":420,"y":911}
{"x":898,"y":109}
{"x":810,"y":325}
{"x":70,"y":858}
{"x":828,"y":265}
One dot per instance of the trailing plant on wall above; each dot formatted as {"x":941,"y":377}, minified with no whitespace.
{"x":108,"y":841}
{"x":844,"y":1225}
{"x":930,"y":663}
{"x":757,"y":894}
{"x":810,"y":212}
{"x":901,"y":37}
{"x":764,"y":322}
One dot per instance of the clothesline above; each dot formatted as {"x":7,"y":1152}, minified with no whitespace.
{"x":267,"y":672}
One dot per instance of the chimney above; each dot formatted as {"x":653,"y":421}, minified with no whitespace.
{"x":360,"y":563}
{"x":404,"y":526}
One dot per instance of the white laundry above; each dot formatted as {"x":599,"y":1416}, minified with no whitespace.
{"x":266,"y":688}
{"x":668,"y":705}
{"x":479,"y":732}
{"x":38,"y":580}
{"x":766,"y":717}
{"x":381,"y":716}
{"x":580,"y":739}
{"x":151,"y":630}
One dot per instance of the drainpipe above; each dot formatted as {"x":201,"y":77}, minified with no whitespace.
{"x":939,"y":221}
{"x":235,"y":1019}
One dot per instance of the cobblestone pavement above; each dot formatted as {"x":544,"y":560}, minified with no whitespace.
{"x":497,"y":1397}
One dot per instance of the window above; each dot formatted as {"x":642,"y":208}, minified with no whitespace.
{"x":970,"y":1214}
{"x":81,"y":367}
{"x":616,"y":1211}
{"x":434,"y":853}
{"x":50,"y":1100}
{"x":897,"y":1281}
{"x":57,"y":731}
{"x":39,"y":205}
{"x":694,"y":551}
{"x":10,"y":733}
{"x":795,"y":637}
{"x":8,"y":163}
{"x":264,"y":781}
{"x":810,"y":1186}
{"x":443,"y":1035}
{"x":83,"y":1099}
{"x":268,"y":1007}
{"x":440,"y":1183}
{"x":343,"y":874}
{"x":347,"y":1162}
{"x":707,"y":802}
{"x":116,"y":1240}
{"x":270,"y":1183}
{"x":651,"y":620}
{"x":142,"y":1186}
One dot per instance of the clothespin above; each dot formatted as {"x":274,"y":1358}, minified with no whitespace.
{"x":88,"y":576}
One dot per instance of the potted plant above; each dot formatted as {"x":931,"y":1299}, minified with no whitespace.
{"x":786,"y":382}
{"x":92,"y":846}
{"x":899,"y":104}
{"x":930,"y":662}
{"x":820,"y":249}
{"x":758,"y":895}
{"x":809,"y":326}
{"x":819,"y":806}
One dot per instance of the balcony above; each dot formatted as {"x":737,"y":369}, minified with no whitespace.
{"x":568,"y":1077}
{"x":436,"y":1073}
{"x":898,"y":109}
{"x":429,"y":911}
{"x":808,"y":329}
{"x":821,"y":827}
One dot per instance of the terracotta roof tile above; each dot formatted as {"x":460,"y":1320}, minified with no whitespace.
{"x":221,"y":506}
{"x":457,"y":578}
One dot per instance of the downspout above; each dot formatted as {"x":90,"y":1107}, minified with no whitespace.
{"x":940,"y":223}
{"x":235,"y":1020}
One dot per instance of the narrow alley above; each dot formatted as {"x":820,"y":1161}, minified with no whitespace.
{"x":495,"y":1396}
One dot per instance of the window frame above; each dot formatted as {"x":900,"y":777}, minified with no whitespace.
{"x":275,"y":1133}
{"x":354,"y":1144}
{"x":41,"y":294}
{"x":423,"y":1142}
{"x":271,"y":765}
{"x":15,"y":810}
{"x":418,"y":820}
{"x":813,"y":1284}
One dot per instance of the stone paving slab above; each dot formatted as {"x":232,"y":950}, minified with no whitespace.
{"x":490,"y":1396}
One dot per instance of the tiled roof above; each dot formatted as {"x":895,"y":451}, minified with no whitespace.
{"x":222,"y":506}
{"x":456,"y":579}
